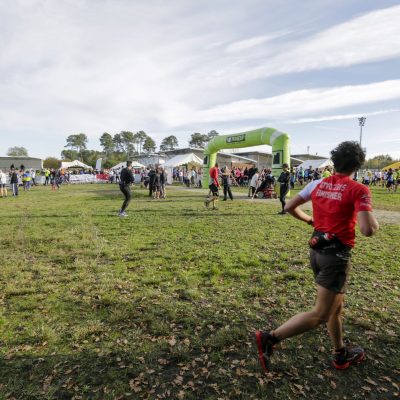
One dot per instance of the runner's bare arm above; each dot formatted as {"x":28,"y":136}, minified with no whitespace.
{"x":292,"y":207}
{"x":367,"y":223}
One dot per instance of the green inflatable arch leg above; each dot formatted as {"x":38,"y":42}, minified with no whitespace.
{"x":279,"y":141}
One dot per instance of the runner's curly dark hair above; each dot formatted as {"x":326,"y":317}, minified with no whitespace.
{"x":347,"y":157}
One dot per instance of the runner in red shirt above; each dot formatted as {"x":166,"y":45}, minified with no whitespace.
{"x":338,"y":203}
{"x":213,"y":186}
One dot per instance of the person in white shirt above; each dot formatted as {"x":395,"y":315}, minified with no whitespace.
{"x":3,"y":181}
{"x":33,"y":177}
{"x":253,"y":182}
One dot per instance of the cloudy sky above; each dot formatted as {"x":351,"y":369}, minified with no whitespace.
{"x":309,"y":68}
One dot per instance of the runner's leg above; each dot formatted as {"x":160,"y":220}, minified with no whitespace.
{"x":335,"y":322}
{"x":303,"y":322}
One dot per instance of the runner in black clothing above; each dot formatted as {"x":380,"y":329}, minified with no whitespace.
{"x":126,"y":180}
{"x":284,"y":179}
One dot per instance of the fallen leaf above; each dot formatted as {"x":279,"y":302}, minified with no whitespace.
{"x":370,"y":381}
{"x":178,"y":380}
{"x":181,"y":395}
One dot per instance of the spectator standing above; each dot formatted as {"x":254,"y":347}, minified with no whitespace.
{"x":254,"y":182}
{"x":14,"y":181}
{"x":226,"y":183}
{"x":316,"y":174}
{"x":396,"y":177}
{"x":3,"y":184}
{"x":283,"y":179}
{"x":193,"y":177}
{"x":250,"y":174}
{"x":46,"y":176}
{"x":33,"y":177}
{"x":300,"y":176}
{"x":390,"y":180}
{"x":326,"y":173}
{"x":163,"y":183}
{"x":157,"y":184}
{"x":27,"y":180}
{"x":200,"y":178}
{"x":366,"y":180}
{"x":151,"y":175}
{"x":292,"y":177}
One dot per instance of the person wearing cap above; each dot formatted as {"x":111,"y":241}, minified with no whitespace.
{"x":126,"y":179}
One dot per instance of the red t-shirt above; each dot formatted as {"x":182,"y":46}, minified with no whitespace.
{"x":336,"y":201}
{"x":214,"y":175}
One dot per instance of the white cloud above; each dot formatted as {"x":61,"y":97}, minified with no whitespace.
{"x":341,"y":117}
{"x":91,"y":66}
{"x":254,"y":41}
{"x":299,"y":102}
{"x":368,"y":38}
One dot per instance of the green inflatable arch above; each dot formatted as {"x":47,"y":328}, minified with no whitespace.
{"x":279,"y":141}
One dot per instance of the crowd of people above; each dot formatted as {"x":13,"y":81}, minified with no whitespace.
{"x":190,"y":177}
{"x":259,"y":182}
{"x":28,"y":178}
{"x":388,"y":178}
{"x":153,"y":178}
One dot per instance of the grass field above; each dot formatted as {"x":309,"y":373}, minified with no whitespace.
{"x":162,"y":305}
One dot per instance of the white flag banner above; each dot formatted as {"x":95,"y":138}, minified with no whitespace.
{"x":98,"y":164}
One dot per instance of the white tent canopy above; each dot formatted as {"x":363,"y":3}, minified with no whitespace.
{"x":74,"y":164}
{"x":182,"y":159}
{"x":189,"y":159}
{"x":135,"y":165}
{"x":321,"y":163}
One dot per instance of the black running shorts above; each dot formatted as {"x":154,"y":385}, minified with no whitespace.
{"x":214,"y":189}
{"x":331,"y":269}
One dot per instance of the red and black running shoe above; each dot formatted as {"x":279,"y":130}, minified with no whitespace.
{"x":265,"y":346}
{"x":348,"y":356}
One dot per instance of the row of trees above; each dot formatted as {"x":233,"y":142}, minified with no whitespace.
{"x":379,"y":162}
{"x":124,"y":145}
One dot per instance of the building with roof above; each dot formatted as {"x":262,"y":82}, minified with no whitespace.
{"x":305,"y":157}
{"x":26,"y":162}
{"x":224,"y":159}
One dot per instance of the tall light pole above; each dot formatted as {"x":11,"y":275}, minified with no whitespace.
{"x":361,"y":122}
